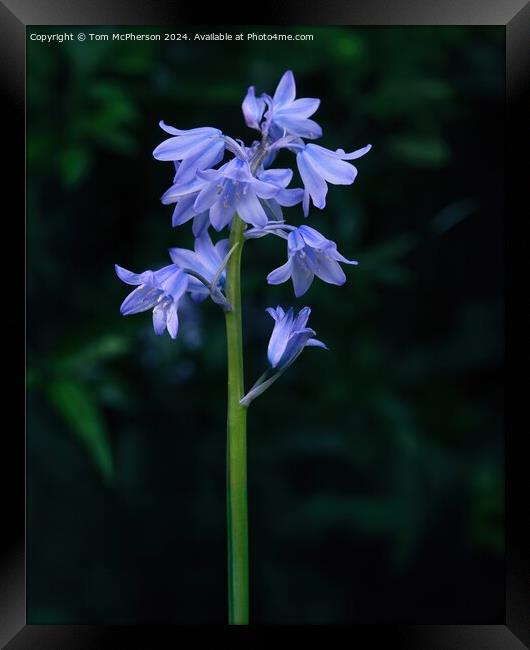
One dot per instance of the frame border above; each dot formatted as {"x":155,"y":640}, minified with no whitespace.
{"x":514,"y":15}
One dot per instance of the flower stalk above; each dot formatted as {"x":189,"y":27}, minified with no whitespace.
{"x":236,"y":450}
{"x":241,"y":192}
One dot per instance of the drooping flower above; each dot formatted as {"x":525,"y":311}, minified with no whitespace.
{"x":290,"y":336}
{"x":200,"y":148}
{"x":205,"y":260}
{"x":317,"y":165}
{"x":287,"y":114}
{"x":309,"y":254}
{"x":158,"y":290}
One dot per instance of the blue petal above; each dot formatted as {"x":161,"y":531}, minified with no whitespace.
{"x":279,"y":338}
{"x":160,"y":276}
{"x":200,"y":223}
{"x":291,"y":197}
{"x":141,"y":299}
{"x":329,"y":166}
{"x":222,"y":247}
{"x":160,"y":318}
{"x":302,"y":276}
{"x":302,"y":127}
{"x":207,"y":254}
{"x":300,"y":108}
{"x":329,"y":270}
{"x":313,"y":238}
{"x":132,"y":278}
{"x":285,"y":90}
{"x":250,"y":209}
{"x":186,"y":259}
{"x":206,"y":197}
{"x":179,"y":190}
{"x":313,"y":181}
{"x":264,"y":190}
{"x":305,"y":204}
{"x":277,"y":313}
{"x":281,"y":177}
{"x":281,"y":274}
{"x":172,"y":321}
{"x":180,"y":147}
{"x":295,"y":345}
{"x":252,"y":108}
{"x":183,"y":211}
{"x":222,"y":211}
{"x":204,"y":160}
{"x":205,"y":130}
{"x":176,"y":285}
{"x":340,"y":258}
{"x":295,"y":241}
{"x":301,"y":320}
{"x":315,"y":343}
{"x":354,"y":154}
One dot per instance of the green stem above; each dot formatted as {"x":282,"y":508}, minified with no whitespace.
{"x":236,"y":456}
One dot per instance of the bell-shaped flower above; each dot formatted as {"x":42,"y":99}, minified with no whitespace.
{"x":157,"y":290}
{"x":290,"y":115}
{"x":319,"y":166}
{"x":200,"y":148}
{"x":289,"y":336}
{"x":309,"y":254}
{"x":206,"y":261}
{"x":230,"y":189}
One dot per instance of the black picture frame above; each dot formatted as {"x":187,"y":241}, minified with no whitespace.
{"x":15,"y":15}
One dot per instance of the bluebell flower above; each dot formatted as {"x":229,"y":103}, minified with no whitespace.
{"x":205,"y":260}
{"x":287,"y":114}
{"x":309,"y":254}
{"x":222,"y":192}
{"x":157,"y":290}
{"x":318,"y":165}
{"x":195,"y":149}
{"x":290,"y":336}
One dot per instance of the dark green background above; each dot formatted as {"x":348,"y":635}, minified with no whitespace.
{"x":375,"y":469}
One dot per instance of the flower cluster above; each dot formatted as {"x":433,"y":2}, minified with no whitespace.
{"x":209,"y":191}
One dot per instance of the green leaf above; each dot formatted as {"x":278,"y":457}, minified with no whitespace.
{"x":82,"y":414}
{"x":82,"y":354}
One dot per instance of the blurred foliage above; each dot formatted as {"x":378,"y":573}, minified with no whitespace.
{"x":376,"y":469}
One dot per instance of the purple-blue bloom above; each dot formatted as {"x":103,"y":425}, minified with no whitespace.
{"x":205,"y":260}
{"x":317,"y":165}
{"x":223,"y":192}
{"x":309,"y":254}
{"x":289,"y":336}
{"x":158,"y":290}
{"x":195,"y":149}
{"x":287,"y":114}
